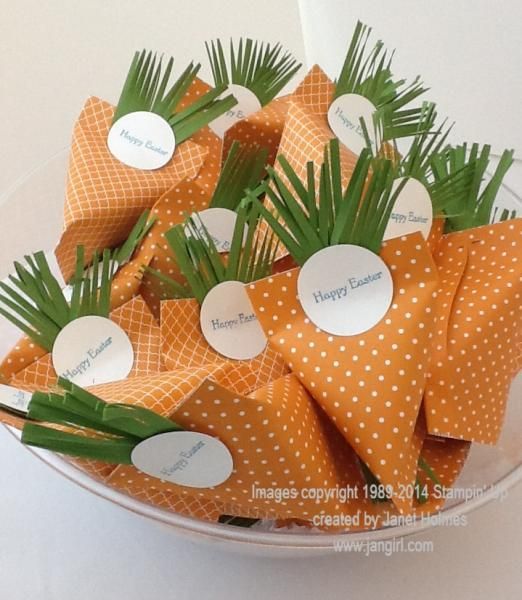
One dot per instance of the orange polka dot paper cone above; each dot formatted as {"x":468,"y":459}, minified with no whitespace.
{"x":278,"y":441}
{"x":25,"y":353}
{"x":172,"y":208}
{"x":137,"y":322}
{"x":104,"y":197}
{"x":446,"y":458}
{"x":371,"y":384}
{"x":183,"y":344}
{"x":161,"y":392}
{"x":479,"y":322}
{"x":436,"y":233}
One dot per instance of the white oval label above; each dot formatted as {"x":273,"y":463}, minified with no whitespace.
{"x":14,"y":398}
{"x":345,"y":289}
{"x":229,"y":323}
{"x":247,"y":104}
{"x":92,"y":350}
{"x":219,"y":223}
{"x":412,"y":211}
{"x":142,"y":140}
{"x":185,"y":458}
{"x":344,"y":117}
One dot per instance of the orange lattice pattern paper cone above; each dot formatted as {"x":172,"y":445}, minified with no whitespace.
{"x":138,"y":323}
{"x":479,"y":321}
{"x":162,"y":393}
{"x":305,"y":136}
{"x":183,"y":344}
{"x":306,"y":132}
{"x":186,"y":197}
{"x":208,"y":175}
{"x":104,"y":197}
{"x":371,"y":385}
{"x":125,"y":286}
{"x":128,"y":280}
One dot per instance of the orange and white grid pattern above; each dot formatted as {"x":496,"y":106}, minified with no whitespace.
{"x":183,"y":344}
{"x":135,"y":319}
{"x":371,"y":385}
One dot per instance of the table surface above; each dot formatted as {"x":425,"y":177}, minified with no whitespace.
{"x":59,"y":541}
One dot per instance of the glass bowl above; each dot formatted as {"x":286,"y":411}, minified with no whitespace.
{"x":33,"y":210}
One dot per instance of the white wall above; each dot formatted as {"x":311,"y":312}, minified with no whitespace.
{"x":56,"y":53}
{"x":468,"y":52}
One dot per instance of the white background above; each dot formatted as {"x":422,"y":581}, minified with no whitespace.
{"x":58,"y":541}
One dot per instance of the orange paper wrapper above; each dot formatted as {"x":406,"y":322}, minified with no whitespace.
{"x":161,"y":393}
{"x":371,"y":385}
{"x":305,"y":134}
{"x":479,"y":328}
{"x":184,"y":346}
{"x":208,"y":175}
{"x":135,"y":319}
{"x":186,"y":197}
{"x":265,"y":127}
{"x":446,"y":458}
{"x":104,"y":197}
{"x":278,"y":432}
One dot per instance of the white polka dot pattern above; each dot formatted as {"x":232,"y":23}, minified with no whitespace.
{"x":370,"y":385}
{"x":479,"y":322}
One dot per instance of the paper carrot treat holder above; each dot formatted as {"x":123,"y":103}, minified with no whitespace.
{"x":478,"y":312}
{"x":76,"y":338}
{"x":429,"y":193}
{"x":354,"y":326}
{"x":178,"y":360}
{"x":196,"y":451}
{"x":365,"y":85}
{"x":124,"y":158}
